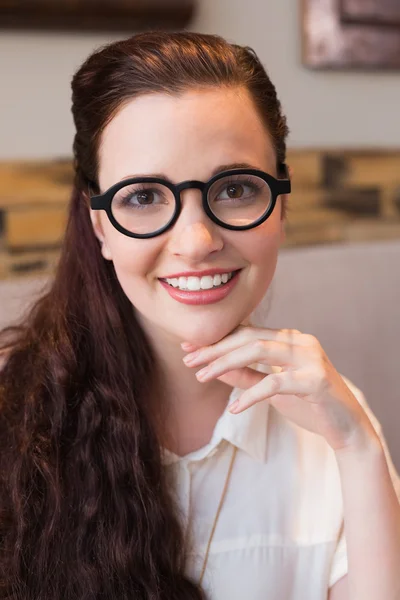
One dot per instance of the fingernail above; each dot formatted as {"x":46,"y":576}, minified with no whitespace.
{"x":187,"y":346}
{"x":188,"y":359}
{"x":203,"y":373}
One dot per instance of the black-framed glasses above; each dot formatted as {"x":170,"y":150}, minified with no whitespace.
{"x":238,"y":199}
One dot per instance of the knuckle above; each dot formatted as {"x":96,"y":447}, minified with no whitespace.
{"x":320,"y":375}
{"x":310,"y":340}
{"x":275,"y":383}
{"x":259,"y":345}
{"x":245,"y":334}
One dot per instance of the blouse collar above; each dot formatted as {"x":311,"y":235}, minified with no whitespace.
{"x":247,"y":430}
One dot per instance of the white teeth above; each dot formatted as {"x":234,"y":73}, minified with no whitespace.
{"x":217,"y":280}
{"x":182,"y":283}
{"x":199,"y":283}
{"x":193,"y":283}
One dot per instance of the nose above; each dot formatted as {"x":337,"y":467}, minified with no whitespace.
{"x":194,"y":235}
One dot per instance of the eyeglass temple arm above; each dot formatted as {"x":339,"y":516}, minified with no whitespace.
{"x":285,"y":186}
{"x":96,"y":200}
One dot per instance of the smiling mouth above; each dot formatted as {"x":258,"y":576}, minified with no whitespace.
{"x":199,"y":284}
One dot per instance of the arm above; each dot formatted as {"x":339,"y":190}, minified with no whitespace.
{"x":340,"y":591}
{"x":372,"y":524}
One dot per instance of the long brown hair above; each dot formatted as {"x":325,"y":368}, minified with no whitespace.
{"x":85,"y":512}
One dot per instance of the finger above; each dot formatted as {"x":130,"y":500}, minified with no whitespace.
{"x":242,"y":378}
{"x":259,"y":351}
{"x":245,"y":333}
{"x":188,"y":347}
{"x":286,"y":382}
{"x":238,"y":338}
{"x":290,"y":331}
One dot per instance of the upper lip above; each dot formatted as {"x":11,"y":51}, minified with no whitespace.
{"x":200,"y":273}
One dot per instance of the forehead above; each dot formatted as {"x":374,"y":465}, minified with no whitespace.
{"x":184,"y":136}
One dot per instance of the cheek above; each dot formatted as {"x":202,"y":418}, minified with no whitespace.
{"x":260,"y":246}
{"x":265,"y":257}
{"x":134,"y":262}
{"x":260,"y":251}
{"x":132,"y":269}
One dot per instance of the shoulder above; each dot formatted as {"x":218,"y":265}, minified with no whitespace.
{"x":4,"y":356}
{"x":394,"y":475}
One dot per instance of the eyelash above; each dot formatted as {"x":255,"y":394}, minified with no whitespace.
{"x":125,"y":197}
{"x":248,"y":181}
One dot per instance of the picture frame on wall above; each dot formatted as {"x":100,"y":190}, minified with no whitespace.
{"x":371,"y":12}
{"x":346,"y":34}
{"x":95,"y":15}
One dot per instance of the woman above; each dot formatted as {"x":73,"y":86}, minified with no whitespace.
{"x":126,"y":473}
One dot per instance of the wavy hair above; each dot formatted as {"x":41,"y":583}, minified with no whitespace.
{"x":85,"y":510}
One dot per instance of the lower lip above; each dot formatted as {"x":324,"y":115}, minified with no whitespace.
{"x":201,"y":296}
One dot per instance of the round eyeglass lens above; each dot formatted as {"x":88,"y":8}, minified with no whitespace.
{"x":143,"y":207}
{"x":240,"y":199}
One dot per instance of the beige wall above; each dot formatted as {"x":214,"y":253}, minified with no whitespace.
{"x":324,"y":109}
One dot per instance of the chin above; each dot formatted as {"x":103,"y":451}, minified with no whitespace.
{"x":207,"y":333}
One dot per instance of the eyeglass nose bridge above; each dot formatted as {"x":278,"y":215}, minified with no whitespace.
{"x":192,"y":184}
{"x":188,"y":185}
{"x":198,"y":185}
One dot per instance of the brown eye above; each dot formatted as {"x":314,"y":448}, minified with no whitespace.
{"x":139,"y":196}
{"x":235,"y":190}
{"x":145,"y":197}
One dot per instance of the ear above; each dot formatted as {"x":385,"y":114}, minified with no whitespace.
{"x":95,"y":217}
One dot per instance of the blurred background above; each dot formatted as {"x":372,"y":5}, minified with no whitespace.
{"x":336,"y":66}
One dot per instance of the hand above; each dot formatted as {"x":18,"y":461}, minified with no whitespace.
{"x":308,"y":390}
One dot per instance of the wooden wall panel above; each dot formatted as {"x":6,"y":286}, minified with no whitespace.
{"x":338,"y":196}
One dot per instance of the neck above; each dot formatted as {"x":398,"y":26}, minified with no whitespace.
{"x":192,"y":415}
{"x":190,"y":409}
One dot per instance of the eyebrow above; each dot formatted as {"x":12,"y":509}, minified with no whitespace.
{"x":217,"y":170}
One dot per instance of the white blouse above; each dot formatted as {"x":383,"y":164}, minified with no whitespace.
{"x":280,"y":532}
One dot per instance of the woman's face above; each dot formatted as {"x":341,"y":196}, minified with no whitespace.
{"x":189,"y":137}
